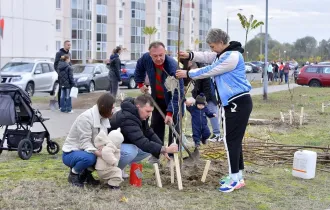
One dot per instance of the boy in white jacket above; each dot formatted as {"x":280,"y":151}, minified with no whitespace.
{"x":107,"y":165}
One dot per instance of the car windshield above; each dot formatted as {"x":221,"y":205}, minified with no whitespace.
{"x":83,"y":69}
{"x":17,"y":67}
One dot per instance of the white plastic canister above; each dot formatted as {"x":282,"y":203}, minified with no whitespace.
{"x":304,"y":164}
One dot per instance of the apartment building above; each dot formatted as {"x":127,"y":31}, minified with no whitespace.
{"x":29,"y":29}
{"x":38,"y":28}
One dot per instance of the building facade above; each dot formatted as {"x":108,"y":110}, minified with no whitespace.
{"x":36,"y":29}
{"x":29,"y":29}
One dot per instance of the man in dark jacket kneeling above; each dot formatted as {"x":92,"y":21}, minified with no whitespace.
{"x":139,"y":139}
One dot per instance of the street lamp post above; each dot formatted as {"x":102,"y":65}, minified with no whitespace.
{"x":247,"y":55}
{"x":228,"y":17}
{"x":265,"y":95}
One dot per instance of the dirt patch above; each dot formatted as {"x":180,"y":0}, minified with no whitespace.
{"x":191,"y":176}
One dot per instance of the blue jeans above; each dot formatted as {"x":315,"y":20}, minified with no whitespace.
{"x":129,"y":153}
{"x":79,"y":160}
{"x":214,"y":120}
{"x":286,"y":76}
{"x":65,"y":102}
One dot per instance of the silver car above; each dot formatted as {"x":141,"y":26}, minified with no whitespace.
{"x":31,"y":75}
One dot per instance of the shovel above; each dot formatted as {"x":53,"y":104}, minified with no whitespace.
{"x":53,"y":103}
{"x":192,"y":156}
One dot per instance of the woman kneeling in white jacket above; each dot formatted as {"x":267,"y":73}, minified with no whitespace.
{"x":79,"y":151}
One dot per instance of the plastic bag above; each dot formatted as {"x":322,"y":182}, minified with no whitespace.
{"x":74,"y":92}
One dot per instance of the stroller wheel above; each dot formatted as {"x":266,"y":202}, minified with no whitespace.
{"x":53,"y":148}
{"x":25,"y":149}
{"x":37,"y":150}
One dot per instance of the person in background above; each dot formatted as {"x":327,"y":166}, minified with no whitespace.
{"x":275,"y":68}
{"x":286,"y":70}
{"x":281,"y":72}
{"x":66,"y":82}
{"x":270,"y":71}
{"x":63,"y":51}
{"x":228,"y":71}
{"x":115,"y":71}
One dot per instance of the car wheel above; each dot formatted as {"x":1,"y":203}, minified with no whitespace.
{"x":314,"y":83}
{"x":131,"y":83}
{"x":91,"y":87}
{"x":54,"y":88}
{"x":30,"y":89}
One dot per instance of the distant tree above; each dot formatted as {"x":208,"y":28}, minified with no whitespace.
{"x":305,"y":47}
{"x":149,"y":31}
{"x":248,"y":26}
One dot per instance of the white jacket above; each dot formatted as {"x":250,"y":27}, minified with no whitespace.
{"x":84,"y":130}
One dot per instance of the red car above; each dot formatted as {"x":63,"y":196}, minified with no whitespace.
{"x":314,"y":76}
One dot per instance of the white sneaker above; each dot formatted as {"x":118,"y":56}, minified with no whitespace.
{"x":214,"y":138}
{"x":124,"y":175}
{"x":71,"y":112}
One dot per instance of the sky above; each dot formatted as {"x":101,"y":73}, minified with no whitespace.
{"x":289,"y":19}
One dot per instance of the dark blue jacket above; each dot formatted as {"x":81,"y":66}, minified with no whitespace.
{"x":145,"y":65}
{"x":198,"y":116}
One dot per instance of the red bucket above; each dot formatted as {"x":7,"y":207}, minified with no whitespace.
{"x":135,"y":177}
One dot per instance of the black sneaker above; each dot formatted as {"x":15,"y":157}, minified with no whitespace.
{"x":75,"y":180}
{"x":86,"y":176}
{"x":204,"y":141}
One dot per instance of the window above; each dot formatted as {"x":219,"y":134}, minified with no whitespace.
{"x":158,"y":36}
{"x":38,"y":68}
{"x":121,"y":14}
{"x":133,"y":13}
{"x":159,"y":6}
{"x":120,"y":31}
{"x":158,"y":20}
{"x":312,"y":70}
{"x":45,"y":68}
{"x":326,"y":70}
{"x":58,"y":45}
{"x":58,"y":4}
{"x":58,"y":25}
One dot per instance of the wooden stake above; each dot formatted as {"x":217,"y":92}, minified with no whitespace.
{"x":178,"y":171}
{"x":282,"y":116}
{"x":158,"y":180}
{"x":206,"y":170}
{"x":290,"y":112}
{"x":323,"y":107}
{"x":172,"y":170}
{"x":301,"y":115}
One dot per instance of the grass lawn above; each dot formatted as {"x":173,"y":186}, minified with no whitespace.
{"x":41,"y":182}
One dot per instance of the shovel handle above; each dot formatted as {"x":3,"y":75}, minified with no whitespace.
{"x":171,"y":125}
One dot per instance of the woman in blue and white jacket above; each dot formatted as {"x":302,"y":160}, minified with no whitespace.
{"x":227,"y":69}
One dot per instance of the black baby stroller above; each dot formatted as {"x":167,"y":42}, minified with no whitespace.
{"x":16,"y":111}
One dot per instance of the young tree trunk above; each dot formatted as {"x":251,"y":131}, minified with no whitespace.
{"x":245,"y":50}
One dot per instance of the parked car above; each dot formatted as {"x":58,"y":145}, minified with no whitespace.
{"x":91,"y":77}
{"x":32,"y":75}
{"x":248,"y":69}
{"x":255,"y":68}
{"x":127,"y":73}
{"x":314,"y":76}
{"x":258,"y":63}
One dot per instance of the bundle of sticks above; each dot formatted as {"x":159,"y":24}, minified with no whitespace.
{"x":269,"y":153}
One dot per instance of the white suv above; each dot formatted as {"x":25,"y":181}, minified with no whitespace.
{"x":31,"y":75}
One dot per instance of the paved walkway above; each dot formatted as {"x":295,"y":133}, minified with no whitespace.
{"x":60,"y":123}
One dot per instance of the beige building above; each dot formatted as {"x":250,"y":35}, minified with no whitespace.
{"x":110,"y":23}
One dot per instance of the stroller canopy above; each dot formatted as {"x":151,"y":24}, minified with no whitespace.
{"x":7,"y":89}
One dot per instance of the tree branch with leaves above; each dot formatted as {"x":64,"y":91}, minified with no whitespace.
{"x":248,"y":25}
{"x":149,"y":31}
